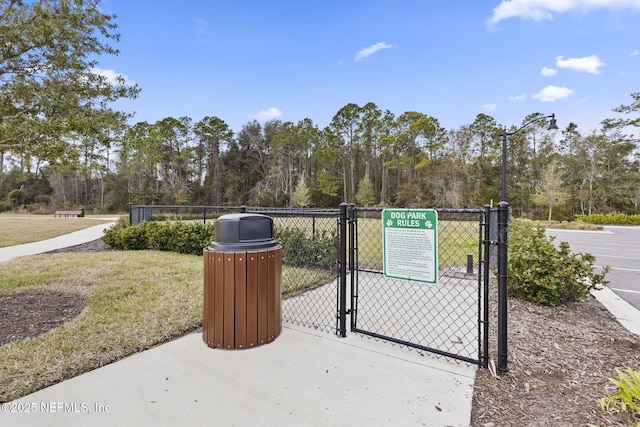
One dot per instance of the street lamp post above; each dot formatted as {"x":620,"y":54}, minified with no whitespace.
{"x":505,"y":134}
{"x":503,"y":245}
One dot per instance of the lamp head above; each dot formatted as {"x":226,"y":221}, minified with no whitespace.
{"x":552,"y":123}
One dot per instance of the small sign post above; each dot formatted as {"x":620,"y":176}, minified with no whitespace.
{"x":410,"y":244}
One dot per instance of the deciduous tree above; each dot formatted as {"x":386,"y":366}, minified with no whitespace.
{"x":48,"y":71}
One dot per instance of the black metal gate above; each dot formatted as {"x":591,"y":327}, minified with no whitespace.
{"x":449,"y":318}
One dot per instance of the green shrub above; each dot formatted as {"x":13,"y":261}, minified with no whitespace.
{"x":119,"y":234}
{"x":628,"y":395}
{"x":301,"y":250}
{"x":543,"y":274}
{"x":17,"y":196}
{"x":610,"y":219}
{"x":159,"y":235}
{"x":181,"y":237}
{"x":298,"y":249}
{"x":190,"y":237}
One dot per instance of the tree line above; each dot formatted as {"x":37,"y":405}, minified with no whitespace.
{"x":365,"y":156}
{"x":62,"y":145}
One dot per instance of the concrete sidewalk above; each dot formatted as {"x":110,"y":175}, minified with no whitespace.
{"x":71,"y":239}
{"x":303,"y":378}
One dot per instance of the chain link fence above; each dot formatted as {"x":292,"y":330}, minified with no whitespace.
{"x":333,"y":273}
{"x":309,"y":238}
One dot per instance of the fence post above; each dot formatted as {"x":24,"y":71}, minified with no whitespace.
{"x":313,"y":226}
{"x":486,"y":268}
{"x":342,"y":297}
{"x":503,"y":246}
{"x":353,"y":226}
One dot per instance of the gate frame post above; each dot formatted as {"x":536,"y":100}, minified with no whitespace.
{"x":486,"y":267}
{"x":353,"y":238}
{"x":342,"y":257}
{"x":503,"y":246}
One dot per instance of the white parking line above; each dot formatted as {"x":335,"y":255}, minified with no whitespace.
{"x":615,"y":256}
{"x":618,"y":268}
{"x":625,"y":290}
{"x":560,"y":230}
{"x":624,"y":269}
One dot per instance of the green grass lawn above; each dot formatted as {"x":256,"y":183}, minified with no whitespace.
{"x":134,"y":300}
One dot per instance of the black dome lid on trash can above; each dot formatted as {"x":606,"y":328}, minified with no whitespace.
{"x":243,"y":232}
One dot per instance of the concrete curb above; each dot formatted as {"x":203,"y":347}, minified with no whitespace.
{"x":626,"y":314}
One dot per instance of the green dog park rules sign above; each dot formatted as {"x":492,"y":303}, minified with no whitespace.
{"x":410,"y":244}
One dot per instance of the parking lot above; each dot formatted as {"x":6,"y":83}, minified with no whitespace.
{"x":615,"y":246}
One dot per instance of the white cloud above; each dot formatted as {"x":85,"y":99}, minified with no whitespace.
{"x":489,"y":107}
{"x":588,"y":64}
{"x":635,"y":52}
{"x":552,"y":94}
{"x":518,"y":97}
{"x":268,"y":114}
{"x":111,"y":76}
{"x":368,"y":51}
{"x":538,"y":10}
{"x":548,"y":71}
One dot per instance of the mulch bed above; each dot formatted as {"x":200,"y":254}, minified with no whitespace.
{"x":97,"y":245}
{"x":29,"y":314}
{"x":560,"y":359}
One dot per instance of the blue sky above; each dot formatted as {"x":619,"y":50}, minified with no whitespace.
{"x":241,"y":60}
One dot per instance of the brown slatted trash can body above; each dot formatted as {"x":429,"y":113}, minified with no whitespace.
{"x":242,"y":283}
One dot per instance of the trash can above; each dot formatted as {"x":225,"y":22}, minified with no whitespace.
{"x":242,"y":283}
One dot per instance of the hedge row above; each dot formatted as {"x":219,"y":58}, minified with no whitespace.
{"x":609,"y":219}
{"x":298,"y":249}
{"x":301,"y":250}
{"x":181,"y":237}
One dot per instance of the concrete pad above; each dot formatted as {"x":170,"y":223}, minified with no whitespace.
{"x":443,"y":316}
{"x":303,"y":378}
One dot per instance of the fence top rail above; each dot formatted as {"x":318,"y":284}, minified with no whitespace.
{"x":186,"y":207}
{"x":299,"y":211}
{"x":439,"y":210}
{"x":250,"y":209}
